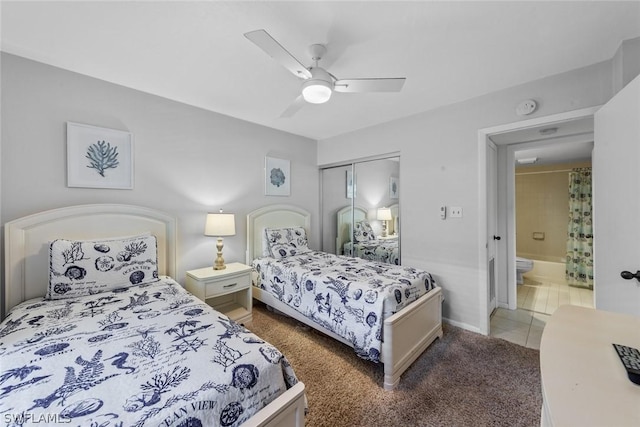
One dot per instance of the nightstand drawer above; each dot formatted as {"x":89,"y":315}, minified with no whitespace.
{"x":227,"y":290}
{"x":223,"y":286}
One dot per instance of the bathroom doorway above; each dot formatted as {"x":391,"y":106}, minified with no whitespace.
{"x":545,"y":214}
{"x":539,"y":161}
{"x":538,"y":185}
{"x":512,"y":138}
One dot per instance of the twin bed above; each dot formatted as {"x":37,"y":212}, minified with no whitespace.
{"x":144,"y":351}
{"x":99,"y":352}
{"x":387,"y":313}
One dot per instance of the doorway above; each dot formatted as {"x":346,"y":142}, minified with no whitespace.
{"x":504,"y":272}
{"x":552,"y":191}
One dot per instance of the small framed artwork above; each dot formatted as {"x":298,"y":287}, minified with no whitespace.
{"x":351,"y":185}
{"x":99,"y":157}
{"x":277,"y":177}
{"x":393,"y":188}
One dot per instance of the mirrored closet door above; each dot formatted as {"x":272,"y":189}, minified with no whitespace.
{"x":361,"y":209}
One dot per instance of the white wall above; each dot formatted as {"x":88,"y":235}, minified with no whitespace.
{"x":626,"y":63}
{"x":187,"y":160}
{"x":439,"y":151}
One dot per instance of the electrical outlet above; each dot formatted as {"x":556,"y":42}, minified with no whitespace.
{"x":455,"y":212}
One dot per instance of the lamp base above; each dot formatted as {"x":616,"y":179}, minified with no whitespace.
{"x":384,"y":228}
{"x":218,"y":263}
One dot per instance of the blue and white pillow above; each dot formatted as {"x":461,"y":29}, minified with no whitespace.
{"x":362,"y":232}
{"x":86,"y":267}
{"x":284,"y":242}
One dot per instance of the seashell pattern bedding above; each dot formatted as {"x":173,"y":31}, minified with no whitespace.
{"x":348,"y":296}
{"x":148,"y":355}
{"x":379,"y":250}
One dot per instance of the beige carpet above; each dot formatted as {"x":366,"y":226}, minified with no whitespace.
{"x":463,"y":379}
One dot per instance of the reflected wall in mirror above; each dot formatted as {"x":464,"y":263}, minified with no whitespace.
{"x":360,"y":210}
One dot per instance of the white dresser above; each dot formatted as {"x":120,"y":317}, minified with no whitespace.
{"x":583,"y":380}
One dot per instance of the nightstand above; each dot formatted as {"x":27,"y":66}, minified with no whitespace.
{"x":228,"y":290}
{"x":389,"y":237}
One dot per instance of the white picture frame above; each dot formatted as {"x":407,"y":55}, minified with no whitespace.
{"x":394,"y":188}
{"x":277,"y":177}
{"x":99,"y":157}
{"x":350,"y":185}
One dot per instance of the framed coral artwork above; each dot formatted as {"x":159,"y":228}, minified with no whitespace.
{"x":393,"y":188}
{"x":99,"y":157}
{"x":277,"y":177}
{"x":351,"y":185}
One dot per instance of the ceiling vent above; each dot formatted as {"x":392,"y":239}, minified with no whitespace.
{"x":548,"y":131}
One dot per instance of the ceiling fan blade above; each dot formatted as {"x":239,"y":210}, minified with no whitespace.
{"x":264,"y":41}
{"x":369,"y":85}
{"x":295,"y":106}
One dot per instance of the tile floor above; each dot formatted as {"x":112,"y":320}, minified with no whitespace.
{"x":537,"y":301}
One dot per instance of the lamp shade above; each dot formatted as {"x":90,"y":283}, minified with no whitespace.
{"x":384,"y":214}
{"x":220,"y":224}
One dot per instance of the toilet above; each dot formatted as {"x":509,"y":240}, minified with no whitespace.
{"x":523,"y":265}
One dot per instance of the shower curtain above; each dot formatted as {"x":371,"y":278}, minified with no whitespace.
{"x":579,"y":271}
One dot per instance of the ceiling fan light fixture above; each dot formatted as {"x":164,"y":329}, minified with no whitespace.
{"x":319,"y":83}
{"x":316,"y":91}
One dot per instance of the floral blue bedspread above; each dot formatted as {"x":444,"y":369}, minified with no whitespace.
{"x":348,"y":296}
{"x":149,"y":355}
{"x":379,"y":250}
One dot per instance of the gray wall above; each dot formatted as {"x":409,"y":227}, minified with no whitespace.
{"x":188,"y":161}
{"x":439,"y":152}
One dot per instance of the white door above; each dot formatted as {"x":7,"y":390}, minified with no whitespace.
{"x":492,"y":222}
{"x":616,"y":201}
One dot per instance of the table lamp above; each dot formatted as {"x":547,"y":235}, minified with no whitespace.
{"x":384,"y":215}
{"x":219,"y":225}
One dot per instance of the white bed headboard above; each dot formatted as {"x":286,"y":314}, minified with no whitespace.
{"x":273,"y":216}
{"x":27,"y":241}
{"x":345,"y":223}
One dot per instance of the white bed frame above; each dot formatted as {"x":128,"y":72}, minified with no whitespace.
{"x":347,"y":216}
{"x":406,"y":334}
{"x":27,"y":266}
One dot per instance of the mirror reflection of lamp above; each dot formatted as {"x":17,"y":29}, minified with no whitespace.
{"x":219,"y":225}
{"x":384,"y":215}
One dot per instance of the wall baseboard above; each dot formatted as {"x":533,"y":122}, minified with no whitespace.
{"x":461,"y":325}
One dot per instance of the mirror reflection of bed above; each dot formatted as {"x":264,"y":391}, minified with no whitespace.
{"x":360,"y":234}
{"x":365,"y":189}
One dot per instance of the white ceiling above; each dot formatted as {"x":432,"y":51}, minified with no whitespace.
{"x":565,"y":142}
{"x":195,"y":52}
{"x":557,"y":153}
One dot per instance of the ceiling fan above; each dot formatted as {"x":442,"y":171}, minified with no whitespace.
{"x":318,"y":83}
